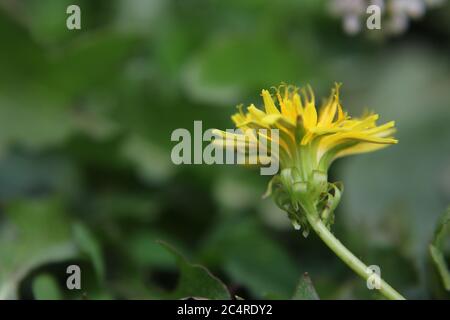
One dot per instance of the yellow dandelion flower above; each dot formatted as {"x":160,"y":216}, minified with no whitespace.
{"x":307,"y":142}
{"x":324,"y":135}
{"x":310,"y":139}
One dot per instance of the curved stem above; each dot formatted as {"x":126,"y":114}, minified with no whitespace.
{"x":349,"y":258}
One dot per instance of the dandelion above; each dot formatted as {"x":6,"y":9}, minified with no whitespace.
{"x":310,"y":140}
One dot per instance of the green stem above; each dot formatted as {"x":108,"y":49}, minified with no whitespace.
{"x":349,"y":258}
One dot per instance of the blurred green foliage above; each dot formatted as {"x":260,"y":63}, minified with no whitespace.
{"x":85,"y":170}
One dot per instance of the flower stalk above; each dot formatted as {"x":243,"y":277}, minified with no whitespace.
{"x":348,"y":257}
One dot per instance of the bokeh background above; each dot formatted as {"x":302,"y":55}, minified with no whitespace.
{"x":85,"y":171}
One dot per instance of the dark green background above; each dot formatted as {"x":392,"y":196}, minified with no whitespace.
{"x":85,"y":170}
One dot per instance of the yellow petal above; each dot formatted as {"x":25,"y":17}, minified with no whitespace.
{"x":381,"y":131}
{"x":238,"y":119}
{"x":310,"y":116}
{"x":297,"y":101}
{"x":334,"y":140}
{"x":288,"y":110}
{"x":327,"y":114}
{"x":255,"y":112}
{"x":268,"y":103}
{"x":362,"y":147}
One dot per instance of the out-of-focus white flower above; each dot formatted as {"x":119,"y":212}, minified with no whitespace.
{"x":397,"y":24}
{"x":349,"y":6}
{"x":412,"y":8}
{"x":396,"y":14}
{"x":352,"y":24}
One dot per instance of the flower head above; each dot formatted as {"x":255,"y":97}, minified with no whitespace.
{"x":310,"y":139}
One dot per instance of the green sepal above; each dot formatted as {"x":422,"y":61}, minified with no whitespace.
{"x":317,"y":184}
{"x":330,"y":202}
{"x":298,"y":197}
{"x":270,"y":186}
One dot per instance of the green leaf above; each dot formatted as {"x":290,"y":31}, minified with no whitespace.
{"x":22,"y":59}
{"x":232,"y":63}
{"x":90,"y":61}
{"x":145,"y":252}
{"x":47,"y":19}
{"x":36,"y":232}
{"x":149,"y":160}
{"x":251,"y":258}
{"x":305,"y":289}
{"x":196,"y":281}
{"x":436,"y":248}
{"x":33,"y":119}
{"x":45,"y":287}
{"x":88,"y":245}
